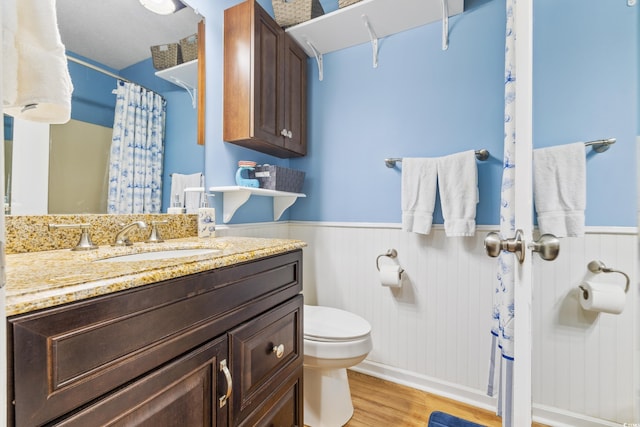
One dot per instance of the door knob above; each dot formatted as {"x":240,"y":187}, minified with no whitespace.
{"x":493,"y":245}
{"x":547,"y":246}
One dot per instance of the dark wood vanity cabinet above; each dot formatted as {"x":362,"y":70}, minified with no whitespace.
{"x":265,"y":84}
{"x":222,"y":348}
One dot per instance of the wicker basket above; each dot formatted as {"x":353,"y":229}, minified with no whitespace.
{"x":189,"y":48}
{"x":292,"y":12}
{"x":165,"y":56}
{"x":278,"y":178}
{"x":345,"y":3}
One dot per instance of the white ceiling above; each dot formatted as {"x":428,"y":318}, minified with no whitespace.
{"x":119,"y":33}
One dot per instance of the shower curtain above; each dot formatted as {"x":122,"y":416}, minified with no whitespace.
{"x":503,"y":296}
{"x":135,"y":165}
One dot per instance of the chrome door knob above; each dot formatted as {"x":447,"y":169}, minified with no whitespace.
{"x":493,"y":245}
{"x":547,"y":246}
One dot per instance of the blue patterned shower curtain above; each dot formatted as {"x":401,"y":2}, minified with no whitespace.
{"x":503,"y":296}
{"x":135,"y":169}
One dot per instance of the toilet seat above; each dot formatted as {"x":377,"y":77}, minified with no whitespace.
{"x":327,"y":324}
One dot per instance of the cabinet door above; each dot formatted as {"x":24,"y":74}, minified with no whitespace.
{"x":283,"y":409}
{"x":184,"y":393}
{"x":295,"y":92}
{"x":266,"y":351}
{"x":268,"y":71}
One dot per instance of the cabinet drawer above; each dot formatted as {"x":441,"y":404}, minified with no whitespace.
{"x":181,"y":393}
{"x":265,"y":351}
{"x":67,"y":356}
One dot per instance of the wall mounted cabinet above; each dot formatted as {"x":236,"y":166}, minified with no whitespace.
{"x":265,"y":84}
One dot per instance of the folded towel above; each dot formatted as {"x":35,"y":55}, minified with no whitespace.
{"x":9,"y":52}
{"x":458,"y":182}
{"x":559,"y":189}
{"x":418,"y":194}
{"x":179,"y":182}
{"x":43,"y":83}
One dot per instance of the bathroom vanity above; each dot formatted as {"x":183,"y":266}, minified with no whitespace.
{"x":222,"y":346}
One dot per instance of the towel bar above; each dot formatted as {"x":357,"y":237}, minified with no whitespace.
{"x":481,"y":155}
{"x":599,"y":146}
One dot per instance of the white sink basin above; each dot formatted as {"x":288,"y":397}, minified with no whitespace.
{"x":167,"y":254}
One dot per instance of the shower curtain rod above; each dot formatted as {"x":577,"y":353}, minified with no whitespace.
{"x":105,"y":72}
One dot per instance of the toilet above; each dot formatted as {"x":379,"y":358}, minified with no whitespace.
{"x":334,"y":340}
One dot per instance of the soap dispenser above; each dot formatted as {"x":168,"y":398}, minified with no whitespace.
{"x":206,"y":218}
{"x":176,"y":208}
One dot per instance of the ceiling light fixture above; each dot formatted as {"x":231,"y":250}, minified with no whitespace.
{"x":163,"y":7}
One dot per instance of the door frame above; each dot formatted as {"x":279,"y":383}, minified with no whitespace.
{"x":522,"y":367}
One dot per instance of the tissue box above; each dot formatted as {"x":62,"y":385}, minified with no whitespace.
{"x":279,"y":178}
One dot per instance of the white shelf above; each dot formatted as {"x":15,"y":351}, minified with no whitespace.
{"x":346,"y":27}
{"x":183,"y":75}
{"x":235,"y":196}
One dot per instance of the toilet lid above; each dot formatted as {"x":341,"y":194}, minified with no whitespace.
{"x":332,"y":324}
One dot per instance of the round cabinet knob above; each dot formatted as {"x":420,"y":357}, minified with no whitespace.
{"x":547,"y":246}
{"x":278,"y":350}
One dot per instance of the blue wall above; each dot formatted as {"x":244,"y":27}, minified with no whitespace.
{"x":422,"y":101}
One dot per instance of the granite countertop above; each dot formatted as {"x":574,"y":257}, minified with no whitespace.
{"x":37,"y":280}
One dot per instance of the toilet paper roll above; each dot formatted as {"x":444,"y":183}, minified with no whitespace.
{"x":604,"y":297}
{"x":391,"y":275}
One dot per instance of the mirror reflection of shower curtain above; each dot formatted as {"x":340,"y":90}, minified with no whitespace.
{"x":135,"y":165}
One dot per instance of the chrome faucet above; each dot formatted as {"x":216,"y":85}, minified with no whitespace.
{"x":122,"y":239}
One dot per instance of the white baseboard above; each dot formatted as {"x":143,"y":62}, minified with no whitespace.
{"x":553,"y":417}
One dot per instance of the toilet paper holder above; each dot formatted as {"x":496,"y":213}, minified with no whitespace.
{"x":391,"y":253}
{"x":596,"y":266}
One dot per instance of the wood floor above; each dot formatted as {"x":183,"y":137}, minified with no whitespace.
{"x":381,"y":403}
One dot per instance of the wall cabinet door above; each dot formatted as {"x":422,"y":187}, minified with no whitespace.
{"x":295,"y":94}
{"x":265,"y":74}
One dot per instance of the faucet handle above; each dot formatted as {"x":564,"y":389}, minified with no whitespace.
{"x":155,"y":237}
{"x":85,"y":243}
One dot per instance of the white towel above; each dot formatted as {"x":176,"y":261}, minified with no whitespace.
{"x":43,"y":83}
{"x":458,"y":186}
{"x":179,"y":182}
{"x":559,"y":189}
{"x":9,"y":52}
{"x":418,"y":195}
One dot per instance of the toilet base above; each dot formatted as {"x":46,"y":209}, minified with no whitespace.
{"x":327,"y":397}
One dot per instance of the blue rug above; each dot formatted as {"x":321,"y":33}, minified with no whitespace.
{"x":440,"y":419}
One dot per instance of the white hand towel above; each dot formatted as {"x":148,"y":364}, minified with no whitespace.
{"x":559,"y":189}
{"x":43,"y":83}
{"x":9,"y":52}
{"x":458,"y":184}
{"x":179,"y":182}
{"x":418,"y":195}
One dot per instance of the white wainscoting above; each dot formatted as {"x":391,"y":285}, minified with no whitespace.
{"x":434,"y":332}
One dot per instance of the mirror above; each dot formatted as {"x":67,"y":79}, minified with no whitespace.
{"x":78,"y":152}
